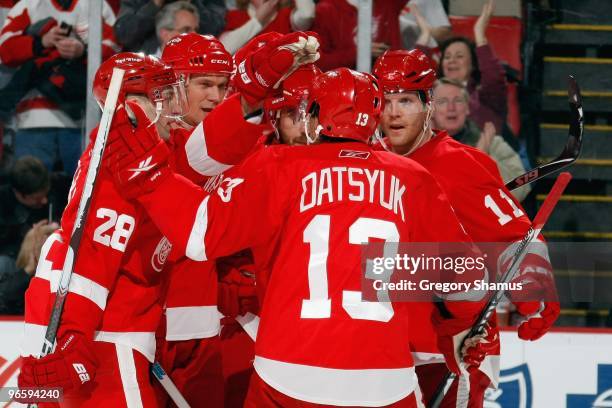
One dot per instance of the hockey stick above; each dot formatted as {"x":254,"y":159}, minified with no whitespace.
{"x":166,"y":382}
{"x":484,"y":316}
{"x":79,"y":223}
{"x":572,"y":148}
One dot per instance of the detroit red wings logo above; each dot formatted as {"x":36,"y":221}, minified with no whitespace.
{"x":161,"y":254}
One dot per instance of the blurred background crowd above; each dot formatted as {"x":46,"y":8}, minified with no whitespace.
{"x":502,"y":89}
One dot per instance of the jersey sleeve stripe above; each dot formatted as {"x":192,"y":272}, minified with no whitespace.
{"x":198,"y":157}
{"x":85,"y":287}
{"x":192,"y":322}
{"x":79,"y":284}
{"x":538,"y":248}
{"x":196,"y":248}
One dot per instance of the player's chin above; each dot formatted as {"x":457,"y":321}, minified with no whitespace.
{"x":398,"y":136}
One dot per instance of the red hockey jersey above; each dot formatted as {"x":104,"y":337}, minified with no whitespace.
{"x":487,"y":210}
{"x":202,"y":155}
{"x":317,"y":341}
{"x":115,"y":291}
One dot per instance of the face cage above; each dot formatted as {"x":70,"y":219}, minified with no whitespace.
{"x":298,"y":116}
{"x":426,"y":98}
{"x":420,"y":140}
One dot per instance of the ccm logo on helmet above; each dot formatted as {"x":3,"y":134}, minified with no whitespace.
{"x":219,"y":61}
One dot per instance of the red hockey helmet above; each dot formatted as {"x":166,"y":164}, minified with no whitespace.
{"x":193,"y":53}
{"x":144,"y":75}
{"x":293,"y":90}
{"x":348,"y":102}
{"x":402,"y":70}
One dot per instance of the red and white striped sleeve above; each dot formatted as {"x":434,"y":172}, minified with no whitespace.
{"x":242,"y":211}
{"x":222,"y":140}
{"x":16,"y":47}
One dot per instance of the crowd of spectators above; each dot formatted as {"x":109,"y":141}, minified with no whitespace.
{"x":43,"y":57}
{"x":31,"y":203}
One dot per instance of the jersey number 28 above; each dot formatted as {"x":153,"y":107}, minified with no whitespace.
{"x":121,"y":224}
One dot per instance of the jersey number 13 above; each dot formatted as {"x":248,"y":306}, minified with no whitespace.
{"x":316,"y":234}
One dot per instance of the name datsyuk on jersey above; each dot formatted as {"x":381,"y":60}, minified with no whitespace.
{"x":353,"y":184}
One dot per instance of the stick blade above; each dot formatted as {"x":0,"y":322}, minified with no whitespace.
{"x":574,"y":141}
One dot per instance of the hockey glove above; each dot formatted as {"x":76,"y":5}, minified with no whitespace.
{"x":539,"y":316}
{"x":262,"y":70}
{"x":461,"y":353}
{"x":135,"y":154}
{"x":72,"y":365}
{"x":237,"y":293}
{"x":537,"y":301}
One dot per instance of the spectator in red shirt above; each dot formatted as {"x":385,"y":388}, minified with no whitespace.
{"x":252,"y":17}
{"x":336,"y":24}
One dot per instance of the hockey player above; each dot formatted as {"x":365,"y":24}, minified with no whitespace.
{"x":318,"y":342}
{"x":286,"y":108}
{"x":106,"y":337}
{"x":239,"y":297}
{"x":187,"y":341}
{"x":191,"y":305}
{"x":487,"y":210}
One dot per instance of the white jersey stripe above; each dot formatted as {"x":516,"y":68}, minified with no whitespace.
{"x":129,"y":379}
{"x":192,"y":322}
{"x":143,"y":342}
{"x":79,"y":284}
{"x":197,"y":154}
{"x":196,"y":249}
{"x":367,"y":388}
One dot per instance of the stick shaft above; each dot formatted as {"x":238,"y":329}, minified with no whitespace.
{"x":168,"y":385}
{"x":84,"y":202}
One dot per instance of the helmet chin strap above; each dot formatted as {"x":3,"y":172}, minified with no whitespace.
{"x":158,"y":111}
{"x":425,"y":132}
{"x":309,"y":138}
{"x":381,"y":140}
{"x":274,"y":122}
{"x":181,"y":123}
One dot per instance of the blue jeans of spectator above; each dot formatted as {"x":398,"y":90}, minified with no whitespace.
{"x":49,"y":145}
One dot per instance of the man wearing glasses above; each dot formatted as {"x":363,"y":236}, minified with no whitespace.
{"x":451,"y":113}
